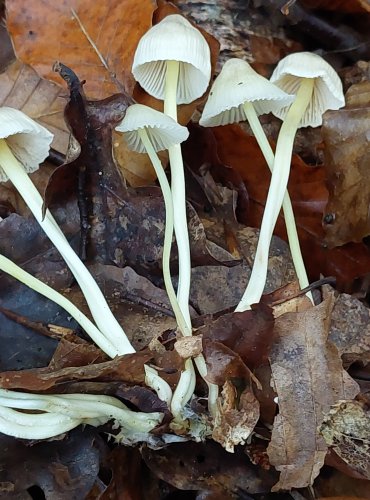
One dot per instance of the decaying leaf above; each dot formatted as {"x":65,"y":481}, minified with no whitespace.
{"x":128,"y":368}
{"x":308,"y":377}
{"x":350,"y":329}
{"x":62,"y":469}
{"x":187,"y":347}
{"x":346,"y":428}
{"x":347,"y":157}
{"x":248,"y":333}
{"x":22,"y":88}
{"x":235,"y":417}
{"x":207,"y":466}
{"x":44,"y":33}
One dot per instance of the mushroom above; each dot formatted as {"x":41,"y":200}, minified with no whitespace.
{"x":238,"y":94}
{"x":317,"y":88}
{"x":148,"y":130}
{"x":63,"y":412}
{"x":172,"y":63}
{"x":24,"y":144}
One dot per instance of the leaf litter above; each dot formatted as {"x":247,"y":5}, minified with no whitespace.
{"x":297,"y":348}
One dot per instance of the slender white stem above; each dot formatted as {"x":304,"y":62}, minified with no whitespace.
{"x":168,"y":231}
{"x":184,"y":390}
{"x":160,"y":386}
{"x":291,"y":227}
{"x":34,"y":426}
{"x":82,"y":407}
{"x":178,"y":194}
{"x":279,"y":181}
{"x":99,"y":308}
{"x":186,"y":385}
{"x":18,"y":273}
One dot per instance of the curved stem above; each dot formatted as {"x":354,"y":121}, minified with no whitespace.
{"x":24,"y":277}
{"x":279,"y":181}
{"x":81,"y":407}
{"x":178,"y":195}
{"x":34,"y":426}
{"x":99,"y":308}
{"x":291,"y":227}
{"x":186,"y":385}
{"x":168,"y":231}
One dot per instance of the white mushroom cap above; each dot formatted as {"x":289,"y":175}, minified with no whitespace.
{"x":173,"y":39}
{"x":28,"y":141}
{"x":162,"y":130}
{"x":236,"y":84}
{"x":328,"y":90}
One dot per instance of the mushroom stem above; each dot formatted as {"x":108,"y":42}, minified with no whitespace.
{"x":99,"y":308}
{"x":279,"y":181}
{"x":178,"y":194}
{"x":34,"y":426}
{"x":18,"y":273}
{"x":184,"y":390}
{"x":291,"y":227}
{"x":186,"y":385}
{"x":62,"y":412}
{"x":168,"y":202}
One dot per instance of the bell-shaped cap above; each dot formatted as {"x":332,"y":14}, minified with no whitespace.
{"x":236,"y":84}
{"x":28,"y":141}
{"x":162,"y":130}
{"x":173,"y":39}
{"x":327,"y":92}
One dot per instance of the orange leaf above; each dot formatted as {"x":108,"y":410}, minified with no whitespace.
{"x":46,"y":31}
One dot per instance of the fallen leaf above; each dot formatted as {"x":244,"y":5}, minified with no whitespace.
{"x":345,"y":134}
{"x":350,"y":329}
{"x":235,"y":417}
{"x":223,"y":363}
{"x":45,"y":33}
{"x":301,"y":347}
{"x":207,"y":466}
{"x":248,"y":333}
{"x":44,"y":101}
{"x":187,"y":347}
{"x":128,"y":368}
{"x":346,"y":428}
{"x":62,"y":469}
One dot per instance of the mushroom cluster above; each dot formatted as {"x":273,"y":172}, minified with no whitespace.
{"x":172,"y":63}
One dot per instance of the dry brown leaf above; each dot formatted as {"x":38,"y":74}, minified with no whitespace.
{"x":22,"y":88}
{"x":346,"y":428}
{"x":308,"y":377}
{"x":136,"y":168}
{"x":235,"y":420}
{"x":350,"y":329}
{"x":187,"y":347}
{"x":45,"y":31}
{"x":347,"y":156}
